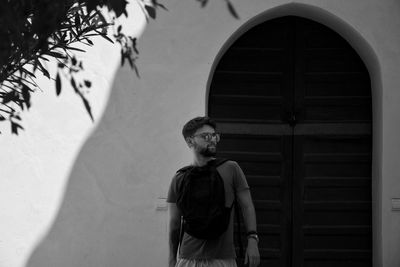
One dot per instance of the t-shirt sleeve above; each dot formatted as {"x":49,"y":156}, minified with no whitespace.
{"x":171,"y":197}
{"x":239,"y":179}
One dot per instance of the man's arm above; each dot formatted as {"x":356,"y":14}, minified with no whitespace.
{"x":174,"y":227}
{"x":252,"y":254}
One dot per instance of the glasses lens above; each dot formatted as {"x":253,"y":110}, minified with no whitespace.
{"x":212,"y":135}
{"x":209,"y":136}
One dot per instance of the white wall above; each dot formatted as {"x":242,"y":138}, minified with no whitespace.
{"x":36,"y":164}
{"x":91,"y":192}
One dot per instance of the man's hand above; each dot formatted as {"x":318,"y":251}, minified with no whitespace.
{"x":252,"y":256}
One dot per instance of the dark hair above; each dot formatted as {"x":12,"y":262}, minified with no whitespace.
{"x":194,"y":124}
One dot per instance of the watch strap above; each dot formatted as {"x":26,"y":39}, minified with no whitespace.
{"x":251,"y":233}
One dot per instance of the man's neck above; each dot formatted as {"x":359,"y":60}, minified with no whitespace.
{"x":200,"y":160}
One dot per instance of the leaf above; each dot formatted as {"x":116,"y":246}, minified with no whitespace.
{"x":88,"y":83}
{"x":46,"y":73}
{"x":85,"y":102}
{"x":105,"y":36}
{"x":87,"y":106}
{"x":10,"y":96}
{"x":162,"y":6}
{"x":73,"y":83}
{"x":232,"y":10}
{"x":156,"y":4}
{"x":15,"y":127}
{"x":91,"y":5}
{"x":61,"y":65}
{"x":58,"y":84}
{"x":2,"y":118}
{"x":20,"y":103}
{"x":130,"y":60}
{"x":119,"y":28}
{"x":26,"y":94}
{"x":136,"y":71}
{"x":134,"y":45}
{"x":151,"y":11}
{"x":119,"y":7}
{"x":77,"y":21}
{"x":76,"y":49}
{"x":122,"y":58}
{"x":56,"y":54}
{"x":94,"y":27}
{"x":43,"y":58}
{"x":203,"y":3}
{"x":72,"y":33}
{"x":22,"y":69}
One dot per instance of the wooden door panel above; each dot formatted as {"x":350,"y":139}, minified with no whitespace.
{"x":265,"y":159}
{"x":273,"y":34}
{"x":332,"y":199}
{"x":257,"y":60}
{"x":293,"y":102}
{"x":337,"y":85}
{"x":242,"y":108}
{"x":246,"y":83}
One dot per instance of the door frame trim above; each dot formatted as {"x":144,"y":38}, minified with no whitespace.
{"x":370,"y":59}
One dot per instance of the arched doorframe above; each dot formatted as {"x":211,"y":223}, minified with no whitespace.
{"x":367,"y":54}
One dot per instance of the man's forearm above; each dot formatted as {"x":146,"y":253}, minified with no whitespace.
{"x":249,"y":215}
{"x":173,"y":245}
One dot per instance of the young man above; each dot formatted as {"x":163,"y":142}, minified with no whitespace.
{"x":200,"y":136}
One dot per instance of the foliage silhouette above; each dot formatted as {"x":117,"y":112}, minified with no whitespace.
{"x":33,"y":32}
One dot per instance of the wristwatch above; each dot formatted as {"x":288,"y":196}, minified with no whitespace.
{"x":254,"y":235}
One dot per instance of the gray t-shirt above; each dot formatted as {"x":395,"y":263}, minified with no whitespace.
{"x":223,"y":247}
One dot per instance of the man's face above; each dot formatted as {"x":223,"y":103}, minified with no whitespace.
{"x":201,"y":146}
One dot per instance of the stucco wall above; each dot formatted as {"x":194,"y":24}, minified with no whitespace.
{"x":108,"y":184}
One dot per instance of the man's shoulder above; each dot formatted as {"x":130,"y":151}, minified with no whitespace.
{"x":228,"y":169}
{"x":183,"y":169}
{"x":230,"y":164}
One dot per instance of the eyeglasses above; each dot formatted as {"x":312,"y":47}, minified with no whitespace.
{"x":208,"y":136}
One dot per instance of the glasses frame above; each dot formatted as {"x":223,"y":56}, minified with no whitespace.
{"x":209,"y":136}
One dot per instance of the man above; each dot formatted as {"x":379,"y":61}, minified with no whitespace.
{"x":201,"y":138}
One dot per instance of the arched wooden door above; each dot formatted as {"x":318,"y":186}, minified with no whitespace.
{"x":293,"y":103}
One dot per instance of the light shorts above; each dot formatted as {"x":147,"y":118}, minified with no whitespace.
{"x":205,"y":263}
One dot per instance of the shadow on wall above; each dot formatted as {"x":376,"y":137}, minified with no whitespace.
{"x":108,"y":215}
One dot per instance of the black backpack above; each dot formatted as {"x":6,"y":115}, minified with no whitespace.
{"x":201,"y":199}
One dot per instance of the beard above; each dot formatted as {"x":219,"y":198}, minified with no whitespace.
{"x":208,"y":151}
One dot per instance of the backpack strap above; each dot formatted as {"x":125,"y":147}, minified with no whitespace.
{"x":219,"y":161}
{"x":214,"y":163}
{"x":183,"y":169}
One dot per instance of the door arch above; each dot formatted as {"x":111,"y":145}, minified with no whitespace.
{"x":293,"y":101}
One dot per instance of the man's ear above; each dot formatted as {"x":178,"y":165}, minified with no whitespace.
{"x":189,"y":141}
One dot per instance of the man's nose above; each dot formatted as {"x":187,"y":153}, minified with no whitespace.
{"x":213,"y":141}
{"x":213,"y":137}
